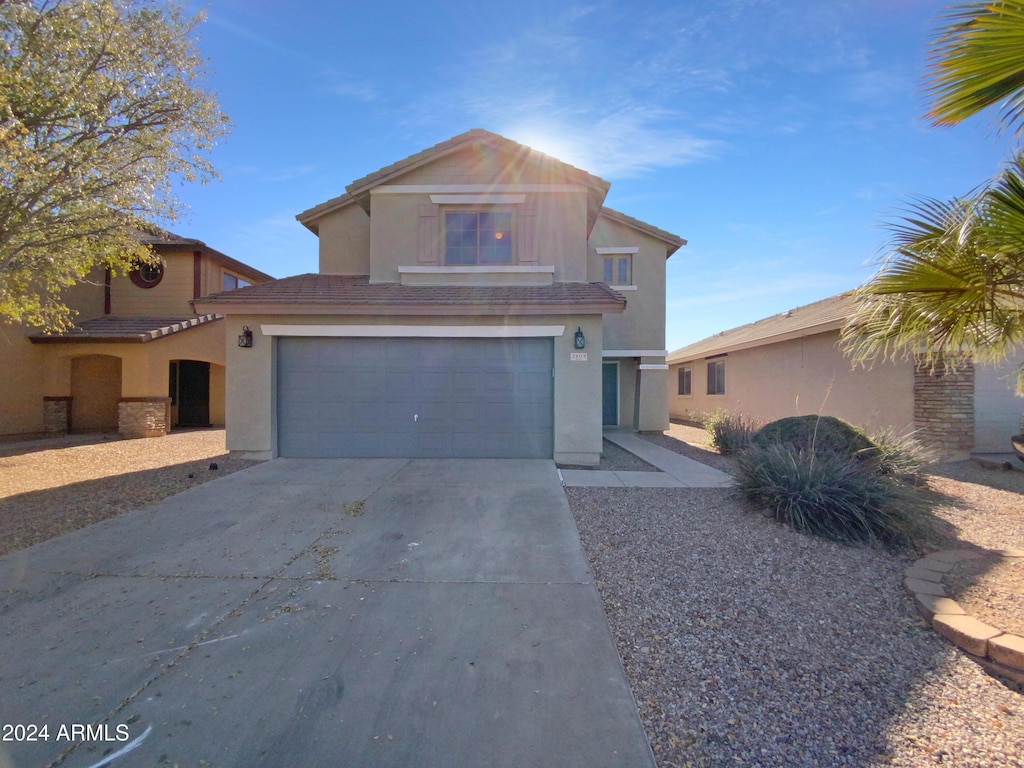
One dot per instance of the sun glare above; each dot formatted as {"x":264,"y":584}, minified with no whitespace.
{"x":558,"y":145}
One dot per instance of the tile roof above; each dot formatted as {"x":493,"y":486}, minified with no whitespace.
{"x":339,"y":291}
{"x":359,"y":190}
{"x":162,"y":238}
{"x":132,"y":330}
{"x":474,"y":135}
{"x":675,"y":242}
{"x":825,"y":315}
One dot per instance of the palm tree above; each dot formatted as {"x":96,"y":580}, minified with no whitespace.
{"x":978,"y":62}
{"x":952,"y":281}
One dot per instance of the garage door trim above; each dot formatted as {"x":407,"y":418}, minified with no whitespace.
{"x":417,"y":331}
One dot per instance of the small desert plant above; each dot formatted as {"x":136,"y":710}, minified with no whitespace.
{"x":841,"y":498}
{"x":729,"y":432}
{"x":815,"y":434}
{"x":900,"y":455}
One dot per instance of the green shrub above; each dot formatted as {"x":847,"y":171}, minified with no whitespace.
{"x":900,"y":455}
{"x":729,"y":432}
{"x":827,"y":494}
{"x":817,"y":434}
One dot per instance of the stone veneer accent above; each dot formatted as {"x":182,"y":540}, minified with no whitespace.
{"x":57,"y":414}
{"x":143,"y":416}
{"x":944,"y":405}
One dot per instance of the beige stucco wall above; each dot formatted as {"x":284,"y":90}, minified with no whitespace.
{"x":24,"y":363}
{"x":550,"y":227}
{"x":95,"y":389}
{"x":803,"y":376}
{"x":144,"y":367}
{"x":345,"y":242}
{"x":997,"y":408}
{"x":21,"y":402}
{"x":251,"y":378}
{"x":642,"y":325}
{"x":650,"y":414}
{"x":169,"y":298}
{"x":557,"y":221}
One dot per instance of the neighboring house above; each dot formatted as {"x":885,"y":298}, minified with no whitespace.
{"x":792,"y":364}
{"x":139,"y":359}
{"x":473,"y":300}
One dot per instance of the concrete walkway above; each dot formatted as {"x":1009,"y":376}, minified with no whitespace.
{"x":674,"y":470}
{"x":345,"y":612}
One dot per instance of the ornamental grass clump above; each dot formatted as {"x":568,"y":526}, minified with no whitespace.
{"x":828,"y":479}
{"x":729,"y":433}
{"x":901,"y":455}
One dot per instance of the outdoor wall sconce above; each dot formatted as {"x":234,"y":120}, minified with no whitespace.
{"x":578,"y":340}
{"x":245,"y":338}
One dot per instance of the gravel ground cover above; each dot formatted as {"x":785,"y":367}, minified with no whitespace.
{"x":56,"y":485}
{"x":747,"y":644}
{"x":616,"y":459}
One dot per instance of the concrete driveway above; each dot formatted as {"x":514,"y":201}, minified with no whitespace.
{"x":319,"y":613}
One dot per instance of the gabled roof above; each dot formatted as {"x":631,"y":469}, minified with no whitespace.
{"x":161,"y":238}
{"x":131,"y":330}
{"x":826,"y":315}
{"x":674,"y":242}
{"x":359,"y":190}
{"x":340,"y":294}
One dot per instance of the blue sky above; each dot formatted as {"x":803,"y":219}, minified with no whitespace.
{"x":776,"y":136}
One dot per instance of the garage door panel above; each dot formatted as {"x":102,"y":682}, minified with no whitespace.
{"x":415,"y":397}
{"x":360,"y":354}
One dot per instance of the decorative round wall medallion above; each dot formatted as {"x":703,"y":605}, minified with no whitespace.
{"x":147,"y":275}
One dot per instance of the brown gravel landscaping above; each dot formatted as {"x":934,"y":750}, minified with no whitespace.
{"x":990,"y":589}
{"x":56,"y":485}
{"x":744,"y":642}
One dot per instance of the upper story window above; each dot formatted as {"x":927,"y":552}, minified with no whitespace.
{"x":230,"y":282}
{"x":478,"y":237}
{"x":617,"y":264}
{"x":716,"y":377}
{"x":685,"y":380}
{"x":618,"y":270}
{"x":147,"y":275}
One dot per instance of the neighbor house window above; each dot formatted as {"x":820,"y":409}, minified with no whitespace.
{"x":617,"y":270}
{"x":478,"y":237}
{"x":685,"y":376}
{"x":716,"y":377}
{"x":230,"y":282}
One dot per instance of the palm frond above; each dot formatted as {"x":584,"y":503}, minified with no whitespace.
{"x":977,"y":61}
{"x":952,"y":281}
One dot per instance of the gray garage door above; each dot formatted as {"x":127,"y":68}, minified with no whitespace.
{"x":415,"y":397}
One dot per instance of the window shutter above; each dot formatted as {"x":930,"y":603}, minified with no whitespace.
{"x":526,"y":232}
{"x":428,"y":234}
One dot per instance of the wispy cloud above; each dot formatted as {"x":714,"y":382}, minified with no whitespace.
{"x":254,"y":37}
{"x":739,"y":291}
{"x":620,"y":144}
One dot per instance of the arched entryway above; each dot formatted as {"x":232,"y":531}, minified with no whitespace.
{"x":95,"y":392}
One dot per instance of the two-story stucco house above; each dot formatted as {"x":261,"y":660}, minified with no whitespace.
{"x":139,"y":360}
{"x":473,"y":300}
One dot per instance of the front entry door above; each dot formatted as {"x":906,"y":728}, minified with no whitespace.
{"x":610,"y":394}
{"x":193,"y":393}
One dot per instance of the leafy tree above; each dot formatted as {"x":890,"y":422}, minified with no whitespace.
{"x":952,"y":281}
{"x":101,"y":109}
